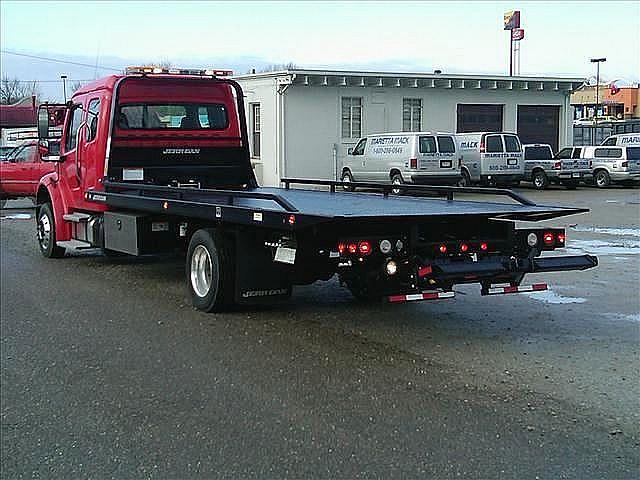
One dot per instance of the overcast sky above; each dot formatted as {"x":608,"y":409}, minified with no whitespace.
{"x":462,"y":37}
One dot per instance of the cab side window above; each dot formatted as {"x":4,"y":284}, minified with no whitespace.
{"x":446,"y":145}
{"x":494,"y":144}
{"x":72,"y":133}
{"x":576,"y":153}
{"x":610,"y":141}
{"x":92,"y":119}
{"x":427,"y":145}
{"x":564,"y":153}
{"x":359,"y":150}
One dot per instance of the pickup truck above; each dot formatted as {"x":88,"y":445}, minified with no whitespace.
{"x":541,"y":167}
{"x":157,"y":160}
{"x":21,"y":171}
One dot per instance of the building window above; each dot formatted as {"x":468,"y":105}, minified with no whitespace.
{"x":411,"y":114}
{"x":255,"y":129}
{"x":351,"y":117}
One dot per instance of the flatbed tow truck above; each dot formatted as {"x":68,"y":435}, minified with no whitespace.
{"x":157,"y":160}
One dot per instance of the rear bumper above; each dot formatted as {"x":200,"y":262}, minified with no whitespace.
{"x":426,"y":179}
{"x":569,"y":174}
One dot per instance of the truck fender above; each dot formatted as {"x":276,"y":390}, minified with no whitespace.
{"x":48,"y":191}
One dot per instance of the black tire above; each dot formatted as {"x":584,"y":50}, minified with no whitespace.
{"x":396,"y":179}
{"x":540,"y":180}
{"x":347,"y":178}
{"x":210,"y":257}
{"x":465,"y":180}
{"x":602,"y":179}
{"x":46,"y":233}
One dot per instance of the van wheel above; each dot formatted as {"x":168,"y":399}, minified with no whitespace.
{"x":209,"y":270}
{"x":540,"y":180}
{"x":602,"y":179}
{"x":465,"y":181}
{"x":396,"y":179}
{"x":347,"y":178}
{"x":46,"y":230}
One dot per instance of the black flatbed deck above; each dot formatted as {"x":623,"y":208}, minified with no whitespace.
{"x":275,"y":206}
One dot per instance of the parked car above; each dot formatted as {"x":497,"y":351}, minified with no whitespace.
{"x":21,"y":172}
{"x":614,"y":165}
{"x":490,"y":158}
{"x":592,"y":120}
{"x":4,"y":152}
{"x":623,"y":140}
{"x":542,"y":167}
{"x":407,"y":157}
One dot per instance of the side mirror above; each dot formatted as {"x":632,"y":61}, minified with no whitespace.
{"x":49,"y":153}
{"x":50,"y":120}
{"x":350,"y":151}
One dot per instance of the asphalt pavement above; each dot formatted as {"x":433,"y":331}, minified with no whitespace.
{"x":107,"y":371}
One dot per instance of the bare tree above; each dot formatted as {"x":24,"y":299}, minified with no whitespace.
{"x":13,"y":90}
{"x":75,"y":86}
{"x":276,"y":67}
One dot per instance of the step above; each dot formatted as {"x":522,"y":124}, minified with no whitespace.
{"x":76,"y":217}
{"x":74,"y":244}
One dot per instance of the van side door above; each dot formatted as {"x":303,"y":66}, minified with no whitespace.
{"x":447,"y":162}
{"x":492,"y":159}
{"x":427,"y":154}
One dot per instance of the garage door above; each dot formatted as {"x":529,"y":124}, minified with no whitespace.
{"x":479,"y":118}
{"x":539,"y":124}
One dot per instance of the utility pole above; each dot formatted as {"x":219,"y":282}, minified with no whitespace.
{"x":597,"y":61}
{"x":64,"y":87}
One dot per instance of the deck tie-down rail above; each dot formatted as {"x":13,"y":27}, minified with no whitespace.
{"x":408,"y":189}
{"x":185,"y":191}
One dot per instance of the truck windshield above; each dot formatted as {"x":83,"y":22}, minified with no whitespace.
{"x":183,"y":116}
{"x":539,"y":153}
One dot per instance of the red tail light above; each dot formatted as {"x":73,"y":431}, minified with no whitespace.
{"x":548,"y":238}
{"x":484,"y":246}
{"x":292,"y":219}
{"x":414,"y":163}
{"x":464,"y":247}
{"x":590,"y":163}
{"x":443,"y":248}
{"x":364,"y":247}
{"x":352,"y":248}
{"x":561,"y":238}
{"x":342,"y":248}
{"x":482,"y":146}
{"x":557,"y":165}
{"x":624,"y":164}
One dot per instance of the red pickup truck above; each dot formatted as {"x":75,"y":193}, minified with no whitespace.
{"x":21,"y":171}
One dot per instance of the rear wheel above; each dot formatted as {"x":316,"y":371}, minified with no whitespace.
{"x":540,"y":180}
{"x":209,"y":270}
{"x":46,"y":230}
{"x":396,"y":179}
{"x":347,"y":178}
{"x":602,"y":179}
{"x":465,"y":180}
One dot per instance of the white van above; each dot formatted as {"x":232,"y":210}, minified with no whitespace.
{"x":490,"y":158}
{"x":408,"y":157}
{"x":614,"y":164}
{"x":622,"y":140}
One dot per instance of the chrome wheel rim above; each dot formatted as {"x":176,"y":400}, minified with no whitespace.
{"x":346,"y":179}
{"x":201,"y":271}
{"x":538,"y":181}
{"x":396,"y":181}
{"x":44,"y":231}
{"x":601,"y":179}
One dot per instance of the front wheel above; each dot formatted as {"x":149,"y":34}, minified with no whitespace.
{"x":465,"y":180}
{"x":396,"y":179}
{"x":540,"y":180}
{"x":46,"y":230}
{"x":602,"y":179}
{"x":209,"y":270}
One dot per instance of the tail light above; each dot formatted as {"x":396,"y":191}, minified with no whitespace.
{"x":442,"y":248}
{"x":464,"y":247}
{"x":549,"y":239}
{"x":484,"y":246}
{"x":342,"y":248}
{"x":482,"y":146}
{"x":414,"y":163}
{"x":352,"y":248}
{"x":561,"y":238}
{"x":364,"y":247}
{"x":557,"y":165}
{"x":624,"y":164}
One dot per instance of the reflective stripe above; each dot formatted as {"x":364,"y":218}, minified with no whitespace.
{"x":536,"y":287}
{"x":420,"y":296}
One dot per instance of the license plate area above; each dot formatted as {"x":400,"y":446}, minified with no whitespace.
{"x":576,"y":175}
{"x":512,"y":161}
{"x":445,"y":163}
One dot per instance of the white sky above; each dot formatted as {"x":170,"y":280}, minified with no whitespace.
{"x":465,"y":37}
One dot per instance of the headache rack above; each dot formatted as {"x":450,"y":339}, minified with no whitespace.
{"x":409,"y":189}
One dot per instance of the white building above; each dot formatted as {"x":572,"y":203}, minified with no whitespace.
{"x":303,"y":122}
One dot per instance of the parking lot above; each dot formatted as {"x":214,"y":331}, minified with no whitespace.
{"x":108,"y":372}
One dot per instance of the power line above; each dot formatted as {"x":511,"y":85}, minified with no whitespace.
{"x":51,"y":81}
{"x":67,"y":62}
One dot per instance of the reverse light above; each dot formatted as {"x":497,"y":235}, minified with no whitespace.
{"x":464,"y":247}
{"x":364,"y":247}
{"x":391,"y":267}
{"x":442,"y":248}
{"x":549,"y":239}
{"x":484,"y":246}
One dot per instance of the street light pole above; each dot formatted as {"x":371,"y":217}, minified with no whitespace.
{"x":597,"y":61}
{"x":64,"y":87}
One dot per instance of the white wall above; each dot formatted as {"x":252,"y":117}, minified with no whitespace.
{"x":311,"y":118}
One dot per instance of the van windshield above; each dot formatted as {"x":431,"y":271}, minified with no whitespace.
{"x":183,"y":116}
{"x":540,"y":153}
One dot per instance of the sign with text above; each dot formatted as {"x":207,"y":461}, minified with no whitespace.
{"x":512,"y":19}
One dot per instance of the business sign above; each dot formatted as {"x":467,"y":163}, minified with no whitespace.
{"x":517,"y":34}
{"x":511,"y":19}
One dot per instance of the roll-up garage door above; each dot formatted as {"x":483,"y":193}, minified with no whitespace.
{"x":539,"y":124}
{"x":479,"y":118}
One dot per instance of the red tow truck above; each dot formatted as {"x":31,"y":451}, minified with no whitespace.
{"x":157,"y":160}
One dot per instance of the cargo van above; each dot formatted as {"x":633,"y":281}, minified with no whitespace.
{"x":490,"y":158}
{"x":614,"y":165}
{"x":542,"y":167}
{"x":623,"y":140}
{"x":424,"y":158}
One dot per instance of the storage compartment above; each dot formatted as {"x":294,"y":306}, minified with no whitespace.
{"x":137,"y":234}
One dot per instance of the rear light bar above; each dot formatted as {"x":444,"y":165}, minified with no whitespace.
{"x":545,"y":239}
{"x":178,"y":71}
{"x":462,"y":247}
